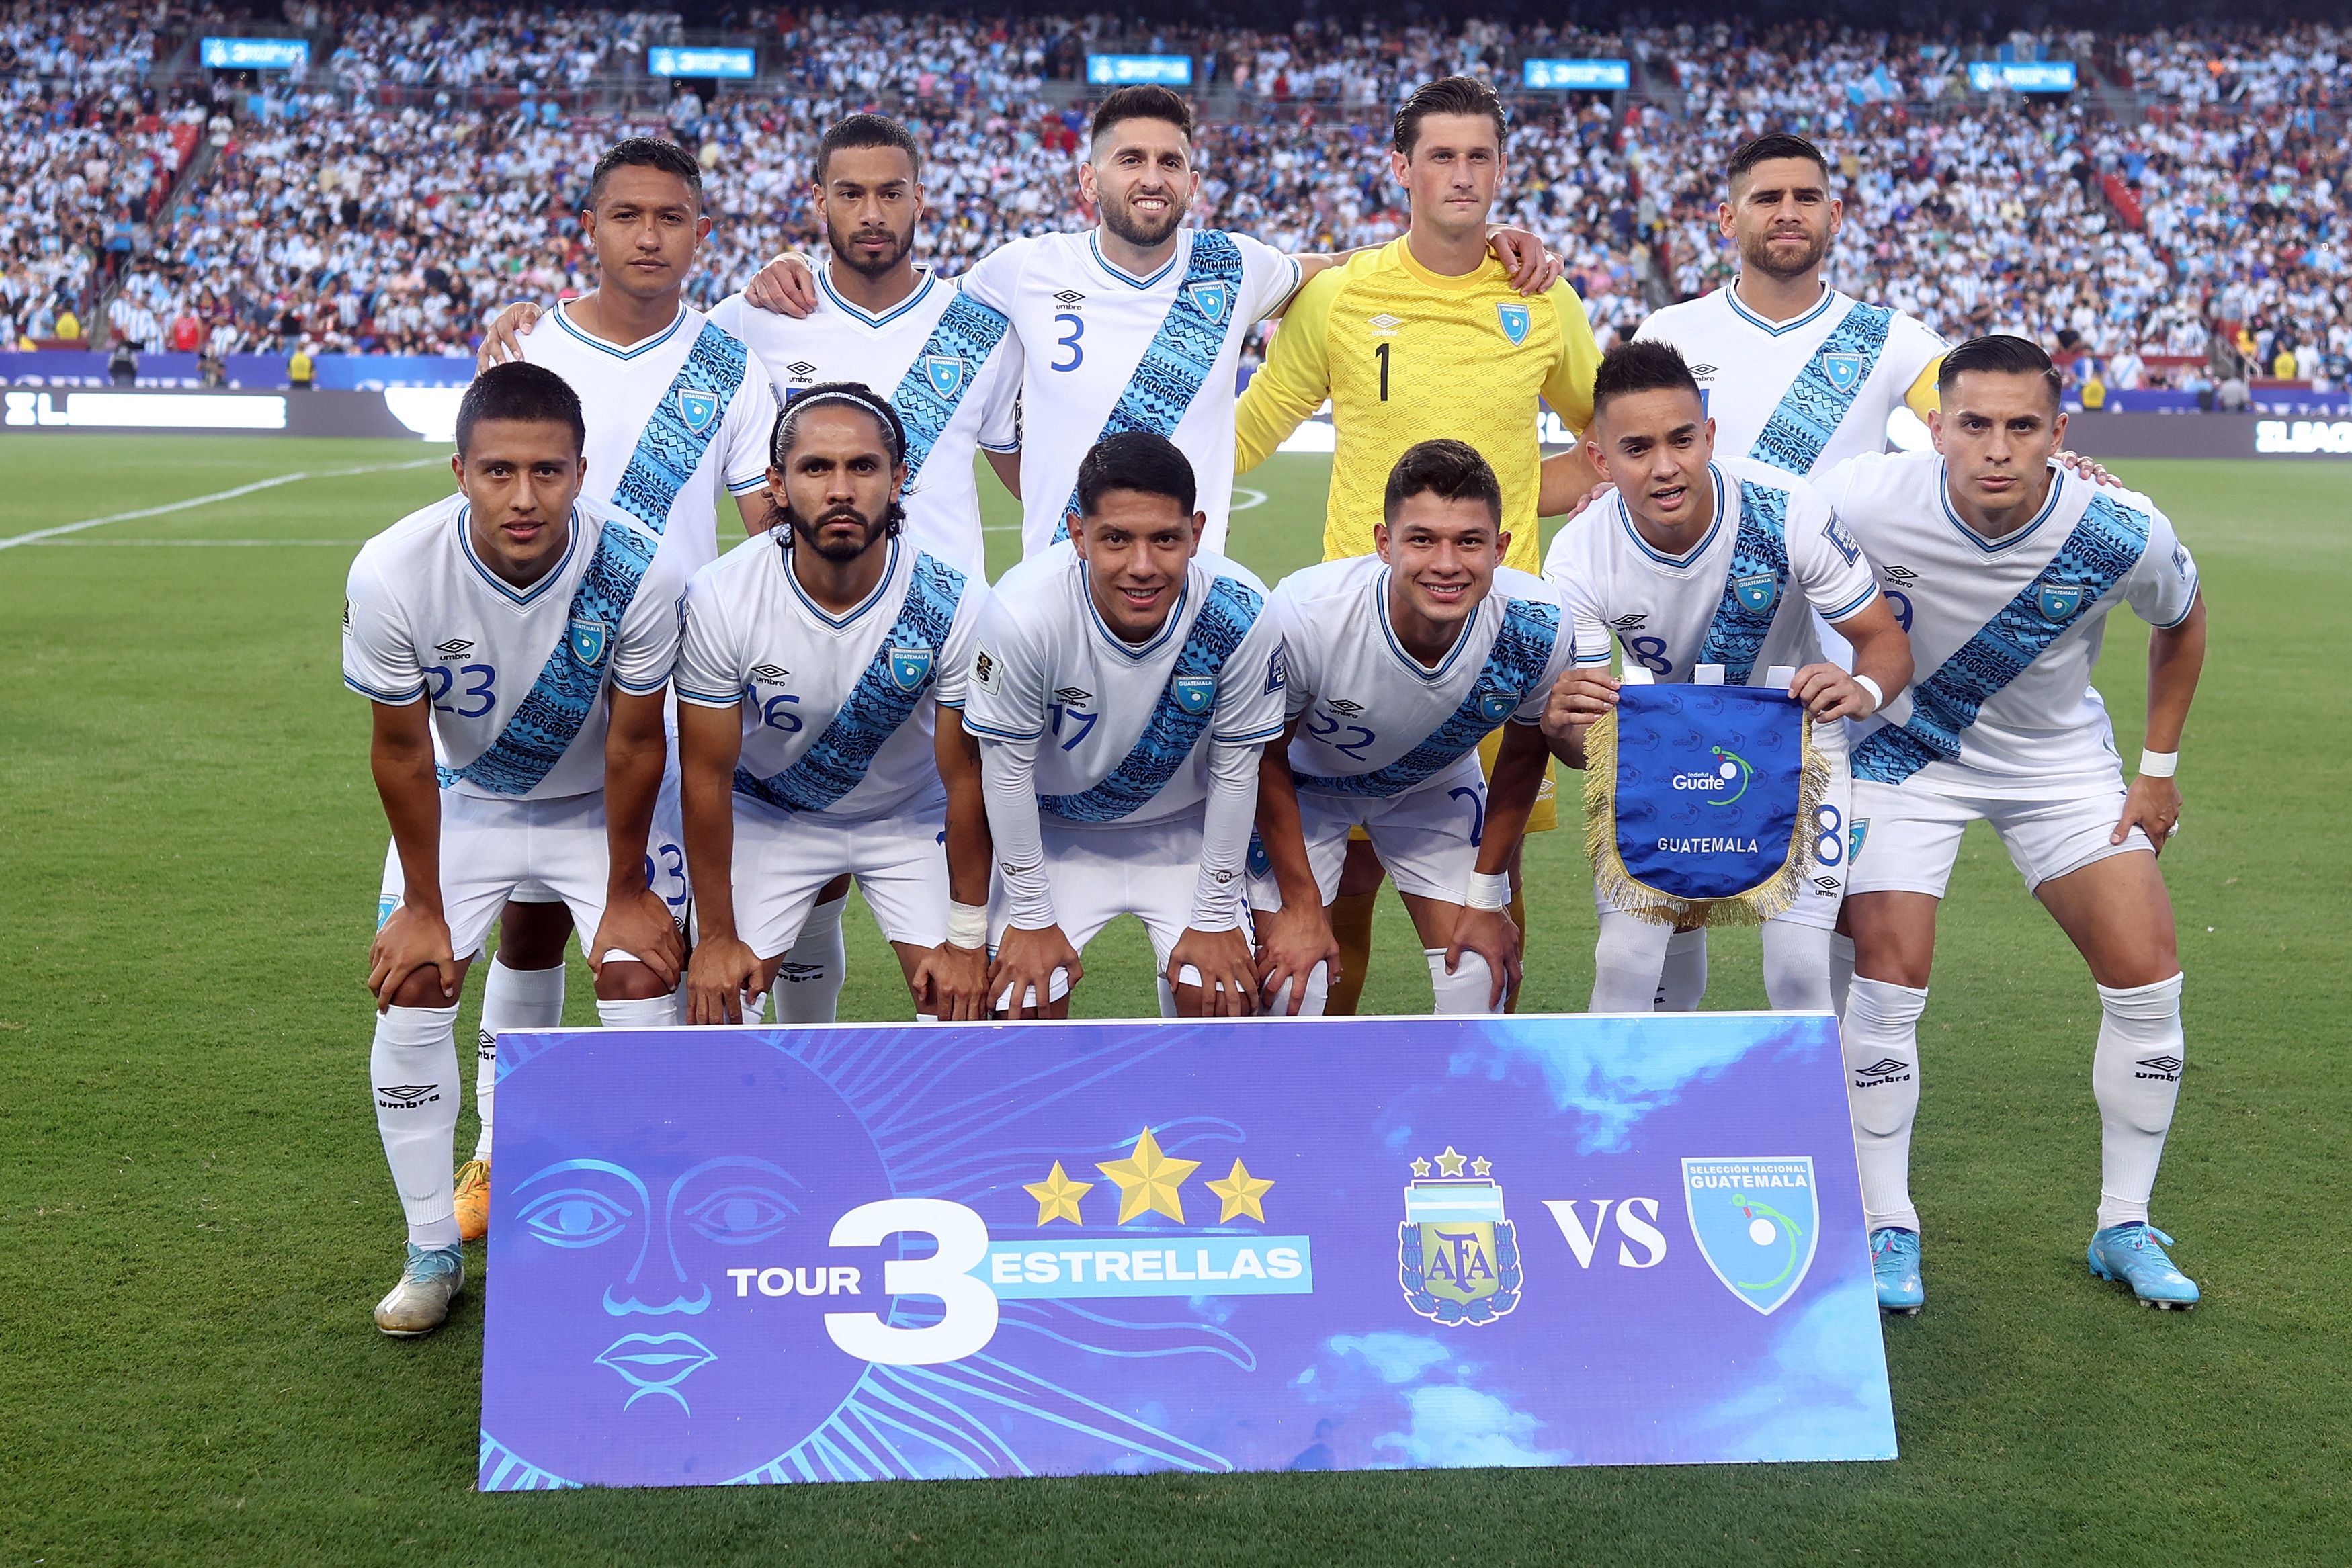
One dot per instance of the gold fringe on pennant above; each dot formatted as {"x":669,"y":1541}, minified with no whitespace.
{"x":1626,"y":891}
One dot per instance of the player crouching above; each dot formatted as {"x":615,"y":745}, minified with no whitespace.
{"x":1125,"y":682}
{"x":820,"y":685}
{"x":1400,"y":664}
{"x":515,"y":640}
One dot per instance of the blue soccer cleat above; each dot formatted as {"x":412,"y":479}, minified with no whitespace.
{"x":1894,"y":1265}
{"x":2135,"y":1254}
{"x":420,"y":1303}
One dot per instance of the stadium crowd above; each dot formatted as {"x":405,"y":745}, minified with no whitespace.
{"x":432,"y":168}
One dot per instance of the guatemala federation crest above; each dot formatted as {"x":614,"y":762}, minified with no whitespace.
{"x":1757,"y":1222}
{"x":586,"y":640}
{"x":1515,"y":321}
{"x":1210,"y":300}
{"x":697,"y":408}
{"x":1757,"y":591}
{"x":2059,"y":602}
{"x":1843,"y":370}
{"x":946,"y":373}
{"x":1457,"y":1256}
{"x":1494,"y":707}
{"x":1194,"y":693}
{"x":911,"y":667}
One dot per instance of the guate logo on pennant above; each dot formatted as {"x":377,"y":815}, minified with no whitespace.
{"x":1757,"y":591}
{"x":1457,"y":1256}
{"x":587,"y":642}
{"x":911,"y":667}
{"x":1845,"y":370}
{"x":1516,"y":320}
{"x":945,"y":373}
{"x":1195,"y":693}
{"x":697,"y":408}
{"x":1757,"y":1222}
{"x":1210,"y":299}
{"x":2058,"y":601}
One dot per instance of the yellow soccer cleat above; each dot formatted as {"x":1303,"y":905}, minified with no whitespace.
{"x":473,"y":1199}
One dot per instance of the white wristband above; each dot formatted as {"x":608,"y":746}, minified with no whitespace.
{"x":2158,"y":763}
{"x":1488,"y":892}
{"x":967,"y":924}
{"x":1877,"y":697}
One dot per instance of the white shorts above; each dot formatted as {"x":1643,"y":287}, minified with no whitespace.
{"x":782,"y":863}
{"x":1821,"y":885}
{"x":533,"y":851}
{"x":1427,"y":837}
{"x":1906,"y":837}
{"x":1097,"y":874}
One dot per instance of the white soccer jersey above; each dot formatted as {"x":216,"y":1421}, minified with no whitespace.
{"x":1379,"y":722}
{"x":424,"y":616}
{"x":2004,"y":632}
{"x":1119,"y":723}
{"x":837,"y":710}
{"x":935,"y":355}
{"x":647,"y":411}
{"x":1105,"y":351}
{"x":1801,"y":395}
{"x":1743,"y":597}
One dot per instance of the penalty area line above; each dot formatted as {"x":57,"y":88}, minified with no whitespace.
{"x":269,"y":483}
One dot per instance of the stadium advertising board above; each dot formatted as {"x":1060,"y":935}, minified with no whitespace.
{"x":667,"y":61}
{"x":256,"y":54}
{"x":851,"y":1253}
{"x":2021,"y":76}
{"x":1123,"y":70}
{"x":1581,"y":76}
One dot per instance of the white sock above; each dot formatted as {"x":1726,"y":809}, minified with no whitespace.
{"x":1796,"y":967}
{"x":2135,"y":1076}
{"x":1464,"y":992}
{"x":817,"y":962}
{"x":1682,"y":978}
{"x":413,"y":1069}
{"x":1841,"y":970}
{"x":1317,"y":992}
{"x":1882,"y":1088}
{"x":1167,"y":996}
{"x":1626,"y":964}
{"x":652,"y":1012}
{"x":755,"y":1009}
{"x":511,"y":998}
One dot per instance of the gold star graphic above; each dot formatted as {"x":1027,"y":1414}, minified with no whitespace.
{"x":1450,"y":1162}
{"x":1147,"y":1181}
{"x":1242,"y":1192}
{"x":1419,"y":1167}
{"x":1057,"y":1195}
{"x":1482,"y":1165}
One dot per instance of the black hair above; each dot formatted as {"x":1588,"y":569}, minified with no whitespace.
{"x":1451,"y":470}
{"x":1447,"y":95}
{"x":526,"y":393}
{"x":1638,"y":365}
{"x":1139,"y":461}
{"x":866,"y":130}
{"x":1142,"y":100}
{"x":854,"y":394}
{"x":2002,"y":354}
{"x":1774,"y":144}
{"x":646,"y":153}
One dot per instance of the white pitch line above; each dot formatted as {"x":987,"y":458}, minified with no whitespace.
{"x":194,"y":544}
{"x":39,"y":534}
{"x":1257,"y":498}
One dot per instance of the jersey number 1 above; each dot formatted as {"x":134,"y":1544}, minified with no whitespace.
{"x":1381,"y":353}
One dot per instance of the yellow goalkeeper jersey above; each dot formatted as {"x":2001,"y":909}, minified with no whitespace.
{"x":1407,"y":355}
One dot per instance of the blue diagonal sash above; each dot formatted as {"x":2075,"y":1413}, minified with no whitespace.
{"x":966,"y":334}
{"x":1514,"y":672}
{"x":1811,"y":410}
{"x":1226,"y":615}
{"x":1183,"y":353}
{"x":835,"y":762}
{"x":1759,"y":560}
{"x":543,"y":728}
{"x":2106,"y":544}
{"x":671,"y":447}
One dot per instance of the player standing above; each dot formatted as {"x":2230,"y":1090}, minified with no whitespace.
{"x":1125,"y":682}
{"x":2012,"y":566}
{"x":515,"y":640}
{"x":1400,"y":665}
{"x":1705,"y":564}
{"x":820,"y":683}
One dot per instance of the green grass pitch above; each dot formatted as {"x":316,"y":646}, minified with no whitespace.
{"x":194,"y":1217}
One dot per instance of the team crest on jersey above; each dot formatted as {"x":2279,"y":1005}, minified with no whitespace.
{"x":1860,"y":832}
{"x":1516,"y":321}
{"x":697,"y":408}
{"x":911,"y":667}
{"x":587,"y":641}
{"x":945,"y":373}
{"x":1194,"y":693}
{"x":1494,"y":707}
{"x":1757,"y":591}
{"x":2059,"y":602}
{"x":1210,"y":300}
{"x":1843,"y":370}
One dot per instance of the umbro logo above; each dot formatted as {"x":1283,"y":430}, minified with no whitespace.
{"x":1885,"y":1069}
{"x":1883,"y":1066}
{"x":773,"y":675}
{"x":1342,"y":705}
{"x":406,"y":1096}
{"x":1069,"y":297}
{"x":1701,"y":371}
{"x":453,"y":647}
{"x":1383,"y":325}
{"x":1075,"y":695}
{"x":1902,"y":574}
{"x":796,"y":974}
{"x":2167,"y":1068}
{"x":1627,"y":622}
{"x":1826,"y":883}
{"x":801,"y":370}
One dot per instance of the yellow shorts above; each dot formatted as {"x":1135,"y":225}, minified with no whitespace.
{"x":1542,"y":819}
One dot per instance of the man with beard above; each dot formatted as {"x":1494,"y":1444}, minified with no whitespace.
{"x":821,"y":684}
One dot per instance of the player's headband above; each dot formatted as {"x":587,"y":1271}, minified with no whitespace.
{"x":855,"y":395}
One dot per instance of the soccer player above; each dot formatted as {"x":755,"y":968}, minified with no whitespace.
{"x":516,"y":640}
{"x":1705,"y":565}
{"x":1423,"y":338}
{"x":1400,"y":664}
{"x":2012,"y":566}
{"x":819,"y":684}
{"x":1125,"y":682}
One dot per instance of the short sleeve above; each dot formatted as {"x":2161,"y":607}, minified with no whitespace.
{"x":1252,"y":688}
{"x":2162,"y":588}
{"x":999,"y":392}
{"x":380,"y":659}
{"x":963,"y":635}
{"x":1299,"y":684}
{"x":995,"y":277}
{"x":751,"y":422}
{"x":647,"y":650}
{"x":1563,"y":657}
{"x":1004,"y":694}
{"x":1568,"y":576}
{"x":709,"y":665}
{"x":1568,"y":387}
{"x":728,"y":315}
{"x":1269,"y":277}
{"x":1829,"y":562}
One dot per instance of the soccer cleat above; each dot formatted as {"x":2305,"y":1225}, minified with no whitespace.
{"x":473,"y":1199}
{"x":420,"y":1303}
{"x":2135,"y":1254}
{"x":1894,"y":1265}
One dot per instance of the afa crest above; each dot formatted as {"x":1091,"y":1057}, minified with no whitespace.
{"x":911,"y":667}
{"x":2059,"y":602}
{"x":1494,"y":707}
{"x":697,"y":408}
{"x":1194,"y":693}
{"x":1843,"y":370}
{"x":586,"y":640}
{"x":1756,"y":592}
{"x":1212,"y":299}
{"x":1457,"y":1256}
{"x":945,"y":373}
{"x":1515,"y":321}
